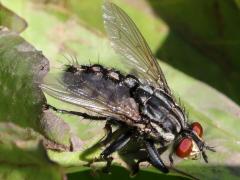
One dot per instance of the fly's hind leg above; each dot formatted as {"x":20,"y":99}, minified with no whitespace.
{"x":107,"y":128}
{"x":76,"y":113}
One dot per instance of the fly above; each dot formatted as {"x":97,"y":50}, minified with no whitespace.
{"x":140,"y":103}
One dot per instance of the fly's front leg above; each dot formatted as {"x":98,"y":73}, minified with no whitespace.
{"x":154,"y":156}
{"x":170,"y":157}
{"x":140,"y":156}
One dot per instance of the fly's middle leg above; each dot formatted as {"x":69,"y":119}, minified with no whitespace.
{"x":108,"y":133}
{"x":116,"y":145}
{"x":110,"y":121}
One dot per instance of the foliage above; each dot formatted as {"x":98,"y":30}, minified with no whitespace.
{"x":188,"y":39}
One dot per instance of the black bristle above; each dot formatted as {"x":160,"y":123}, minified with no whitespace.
{"x":70,"y":68}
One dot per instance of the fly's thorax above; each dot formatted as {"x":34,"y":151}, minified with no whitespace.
{"x":161,"y":134}
{"x":166,"y":119}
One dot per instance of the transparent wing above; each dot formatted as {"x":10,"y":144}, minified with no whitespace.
{"x":93,"y":93}
{"x":127,"y":40}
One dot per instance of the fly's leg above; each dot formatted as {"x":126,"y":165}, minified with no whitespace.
{"x":110,"y":121}
{"x":84,"y":115}
{"x":107,"y":128}
{"x":116,"y":145}
{"x":108,"y":133}
{"x":170,"y":157}
{"x":120,"y":141}
{"x":135,"y":167}
{"x":141,"y":156}
{"x":154,"y":157}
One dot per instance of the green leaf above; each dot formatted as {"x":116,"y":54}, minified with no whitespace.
{"x":23,"y":154}
{"x":11,"y":20}
{"x":20,"y":66}
{"x":117,"y":172}
{"x":56,"y":30}
{"x":21,"y":172}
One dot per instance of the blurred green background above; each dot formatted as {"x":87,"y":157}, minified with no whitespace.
{"x":198,"y":45}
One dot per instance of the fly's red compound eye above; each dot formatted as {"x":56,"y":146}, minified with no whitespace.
{"x":196,"y":127}
{"x":184,"y":148}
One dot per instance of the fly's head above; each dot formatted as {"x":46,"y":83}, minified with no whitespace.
{"x":190,"y":144}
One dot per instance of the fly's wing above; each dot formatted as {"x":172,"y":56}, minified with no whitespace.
{"x":127,"y":40}
{"x":94,"y":93}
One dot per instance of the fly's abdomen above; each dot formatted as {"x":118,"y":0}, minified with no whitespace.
{"x":105,"y":88}
{"x":96,"y":81}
